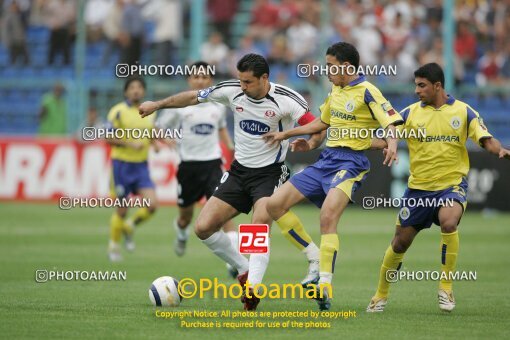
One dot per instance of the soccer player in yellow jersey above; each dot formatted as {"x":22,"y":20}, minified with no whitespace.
{"x":130,"y":172}
{"x":439,"y":164}
{"x":353,"y":104}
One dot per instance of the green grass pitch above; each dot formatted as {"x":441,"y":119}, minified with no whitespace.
{"x":40,"y":236}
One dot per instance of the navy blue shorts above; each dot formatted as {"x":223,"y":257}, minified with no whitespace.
{"x":339,"y":167}
{"x":129,"y":177}
{"x":417,"y":213}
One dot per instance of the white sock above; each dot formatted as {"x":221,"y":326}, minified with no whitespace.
{"x":220,"y":245}
{"x":325,"y":277}
{"x":234,"y":238}
{"x":258,"y":266}
{"x":312,"y":252}
{"x":182,"y":234}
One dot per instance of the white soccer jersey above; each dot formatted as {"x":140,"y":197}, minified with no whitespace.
{"x":278,"y":111}
{"x":200,"y":124}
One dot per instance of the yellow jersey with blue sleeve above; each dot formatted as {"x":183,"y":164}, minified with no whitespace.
{"x":440,"y":159}
{"x":125,"y":116}
{"x":357,"y":106}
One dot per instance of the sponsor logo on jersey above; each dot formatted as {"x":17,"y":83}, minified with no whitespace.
{"x":341,"y":115}
{"x":439,"y":138}
{"x":270,"y":113}
{"x":202,"y":129}
{"x":253,"y":127}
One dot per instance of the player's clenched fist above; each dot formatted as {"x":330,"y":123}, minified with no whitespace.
{"x":147,"y":108}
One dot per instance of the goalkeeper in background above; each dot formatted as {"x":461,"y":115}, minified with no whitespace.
{"x":439,"y":165}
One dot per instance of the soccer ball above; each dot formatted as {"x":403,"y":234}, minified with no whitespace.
{"x":164,"y":292}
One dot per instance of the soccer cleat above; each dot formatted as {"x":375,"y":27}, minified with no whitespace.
{"x":312,"y":278}
{"x":377,"y":304}
{"x":242,"y":278}
{"x":114,"y":252}
{"x":180,"y":247}
{"x":232,"y":271}
{"x":446,"y":300}
{"x":250,"y":303}
{"x":324,"y":302}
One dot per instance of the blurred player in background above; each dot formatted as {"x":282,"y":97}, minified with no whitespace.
{"x":439,"y":165}
{"x":259,"y":106}
{"x":200,"y":170}
{"x":130,"y":171}
{"x":354,"y":104}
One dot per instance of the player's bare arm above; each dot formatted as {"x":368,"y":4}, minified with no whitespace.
{"x":378,"y":144}
{"x":314,"y":127}
{"x":390,"y":153}
{"x":225,"y":138}
{"x":493,"y":146}
{"x":303,"y":145}
{"x":182,"y":99}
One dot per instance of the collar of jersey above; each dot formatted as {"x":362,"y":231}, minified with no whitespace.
{"x":128,"y":103}
{"x":449,"y":101}
{"x":358,"y":80}
{"x":269,"y":95}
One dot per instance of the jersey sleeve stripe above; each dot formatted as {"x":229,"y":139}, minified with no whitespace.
{"x":226,"y":85}
{"x":292,"y":97}
{"x":291,"y":94}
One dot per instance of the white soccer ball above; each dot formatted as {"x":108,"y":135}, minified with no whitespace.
{"x":164,"y":292}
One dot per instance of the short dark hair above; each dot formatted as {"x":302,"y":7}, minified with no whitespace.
{"x":432,"y":72}
{"x":255,"y":63}
{"x":200,"y":65}
{"x":343,"y":51}
{"x":132,"y":79}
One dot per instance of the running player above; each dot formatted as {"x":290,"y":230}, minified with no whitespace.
{"x":130,"y":172}
{"x":259,"y":106}
{"x":353,"y":104}
{"x":200,"y":170}
{"x":439,"y":165}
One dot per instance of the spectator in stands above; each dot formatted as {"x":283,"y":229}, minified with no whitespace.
{"x":167,"y":16}
{"x":465,"y":44}
{"x":434,"y":54}
{"x":96,"y":12}
{"x":489,"y":68}
{"x":215,"y":52}
{"x":131,"y":35}
{"x":93,"y":120}
{"x":367,"y":39}
{"x":396,"y":33}
{"x":302,"y":39}
{"x":287,"y":11}
{"x":112,"y":26}
{"x":246,"y":45}
{"x":60,"y":17}
{"x":264,"y":19}
{"x":14,"y":35}
{"x":52,"y":116}
{"x":221,"y":13}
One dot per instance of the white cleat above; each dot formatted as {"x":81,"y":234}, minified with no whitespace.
{"x":180,"y":247}
{"x":312,"y":277}
{"x":377,"y":305}
{"x":114,"y":252}
{"x":446,"y":300}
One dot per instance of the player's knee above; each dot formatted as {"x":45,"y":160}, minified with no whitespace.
{"x":152,"y":208}
{"x":274,"y":208}
{"x":203,"y":228}
{"x":449,"y":226}
{"x":328,"y":221}
{"x":399,"y":245}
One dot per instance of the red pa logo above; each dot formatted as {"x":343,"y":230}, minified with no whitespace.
{"x":253,"y":238}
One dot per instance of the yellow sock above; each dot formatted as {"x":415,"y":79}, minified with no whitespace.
{"x":449,"y":251}
{"x":116,"y":226}
{"x":330,"y":245}
{"x":293,"y":230}
{"x":391,"y":261}
{"x":141,"y":215}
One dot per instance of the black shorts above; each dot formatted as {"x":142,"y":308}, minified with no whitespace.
{"x":241,"y":187}
{"x":196,"y":179}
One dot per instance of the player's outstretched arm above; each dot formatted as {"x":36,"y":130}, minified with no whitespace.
{"x":182,"y":99}
{"x":378,"y":144}
{"x":309,"y":129}
{"x":303,"y":145}
{"x":390,"y":152}
{"x":493,"y":146}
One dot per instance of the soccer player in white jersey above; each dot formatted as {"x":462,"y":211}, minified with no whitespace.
{"x":200,"y":170}
{"x":259,"y":106}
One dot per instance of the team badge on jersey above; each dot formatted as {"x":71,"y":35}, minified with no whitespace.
{"x":349,"y":106}
{"x":270,"y":113}
{"x":388,"y":108}
{"x":204,"y":93}
{"x":404,"y":213}
{"x":455,"y":122}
